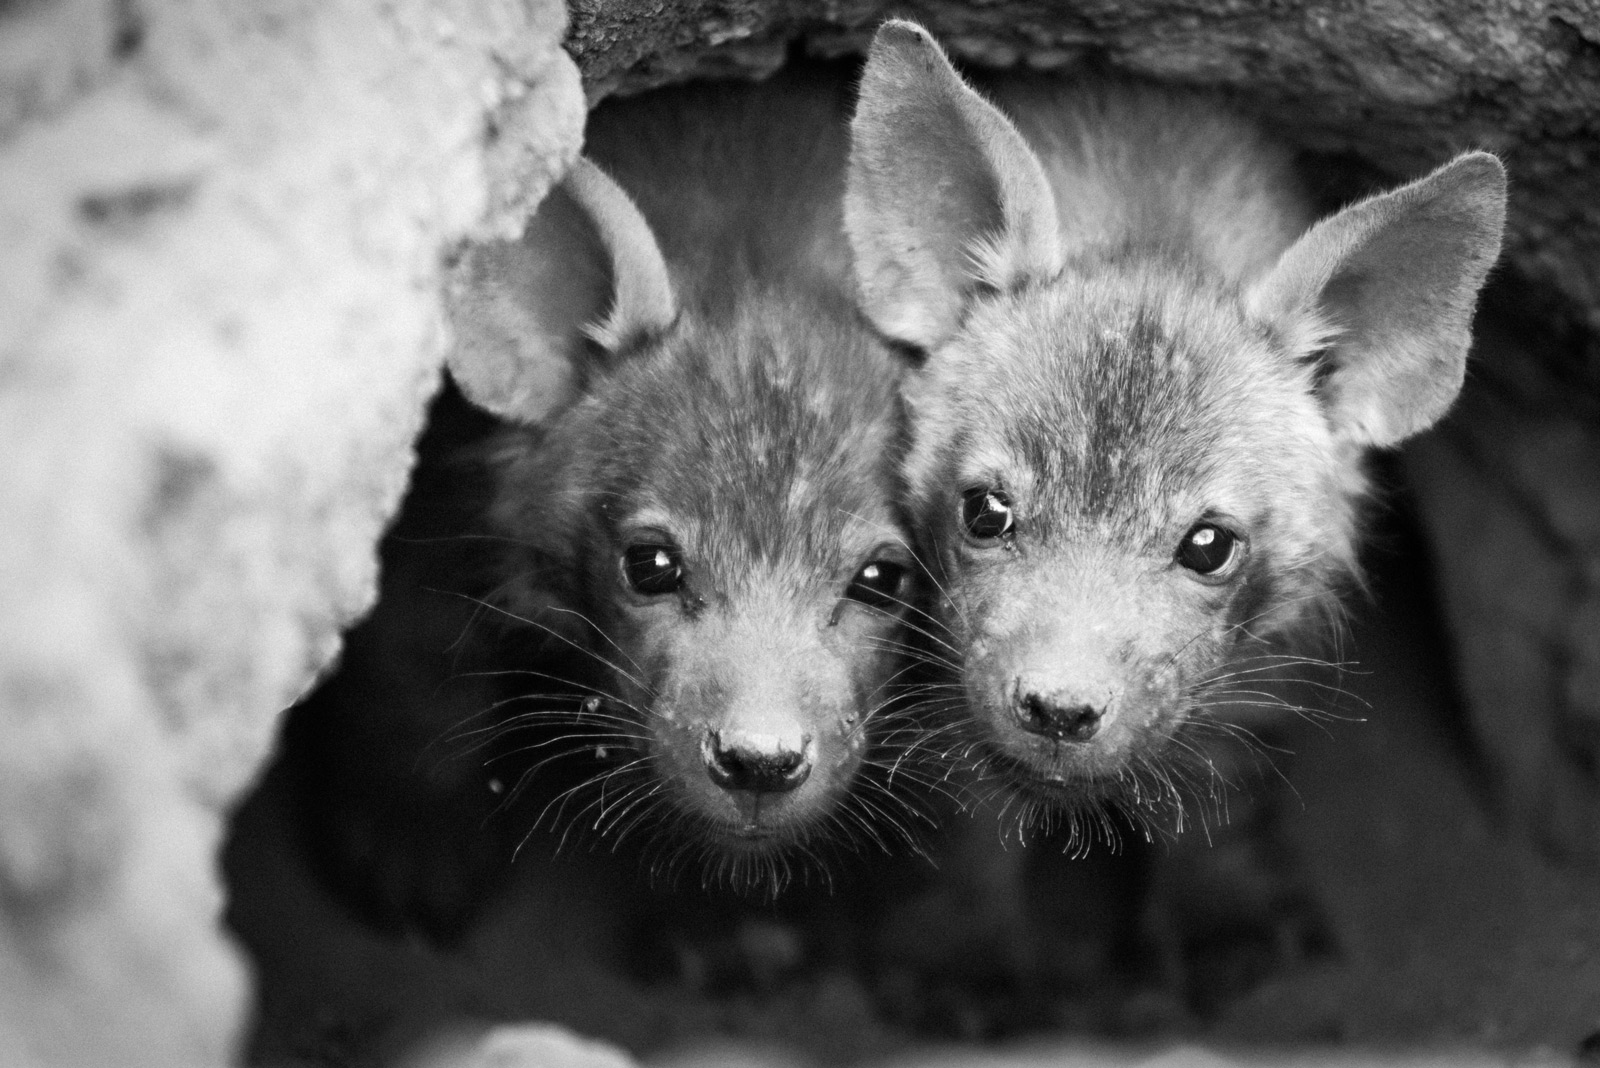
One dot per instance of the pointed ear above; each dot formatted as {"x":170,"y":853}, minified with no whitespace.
{"x":586,"y":269}
{"x":1392,"y":281}
{"x":943,"y":193}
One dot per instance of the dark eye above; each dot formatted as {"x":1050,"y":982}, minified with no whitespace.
{"x":879,"y":584}
{"x":653,"y":569}
{"x":986,"y":513}
{"x":1208,"y":550}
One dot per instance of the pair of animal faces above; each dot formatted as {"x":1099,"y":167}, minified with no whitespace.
{"x":1119,"y":461}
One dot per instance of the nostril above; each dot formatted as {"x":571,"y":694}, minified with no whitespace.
{"x":1061,"y":721}
{"x":735,"y":766}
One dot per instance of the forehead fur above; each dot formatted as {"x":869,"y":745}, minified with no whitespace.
{"x":1124,"y":395}
{"x":769,"y":435}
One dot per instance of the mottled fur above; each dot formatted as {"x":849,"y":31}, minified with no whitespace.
{"x":1130,"y":331}
{"x":757,"y":427}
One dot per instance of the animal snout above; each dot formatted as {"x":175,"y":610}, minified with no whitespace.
{"x":756,"y":763}
{"x":1056,"y":716}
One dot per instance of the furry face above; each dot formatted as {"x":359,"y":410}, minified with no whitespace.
{"x":1138,"y":435}
{"x":1123,"y":480}
{"x":720,"y":512}
{"x":707,"y":497}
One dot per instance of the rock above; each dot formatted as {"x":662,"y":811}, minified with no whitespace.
{"x":1505,"y":488}
{"x":221,"y":227}
{"x":525,"y":1046}
{"x":1557,"y":464}
{"x":1583,"y":679}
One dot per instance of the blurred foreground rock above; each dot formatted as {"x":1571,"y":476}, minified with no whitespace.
{"x":221,"y":231}
{"x":548,"y":1047}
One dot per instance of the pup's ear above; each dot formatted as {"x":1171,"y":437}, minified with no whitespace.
{"x":587,"y":269}
{"x":1388,"y":285}
{"x":943,"y":194}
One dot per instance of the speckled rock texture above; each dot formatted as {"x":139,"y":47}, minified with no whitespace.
{"x":222,"y":227}
{"x":1381,"y":91}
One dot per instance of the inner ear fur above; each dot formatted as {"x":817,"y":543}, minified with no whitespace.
{"x":943,"y":194}
{"x":1386,"y":288}
{"x":586,"y":269}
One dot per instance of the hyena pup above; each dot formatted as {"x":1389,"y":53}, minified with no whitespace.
{"x":702,"y":489}
{"x":1150,"y":379}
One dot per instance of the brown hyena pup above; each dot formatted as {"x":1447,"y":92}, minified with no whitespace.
{"x":1138,"y":438}
{"x":1150,"y":379}
{"x":703,"y":491}
{"x":659,"y":602}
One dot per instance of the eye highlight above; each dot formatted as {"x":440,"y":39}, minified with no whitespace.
{"x":986,"y":514}
{"x":653,"y":568}
{"x":879,"y":584}
{"x":1210,"y":551}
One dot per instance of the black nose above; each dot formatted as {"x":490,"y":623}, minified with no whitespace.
{"x":1062,"y":721}
{"x":737,"y":765}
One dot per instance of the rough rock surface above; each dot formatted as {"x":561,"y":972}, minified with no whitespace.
{"x":222,"y":227}
{"x":1509,"y":489}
